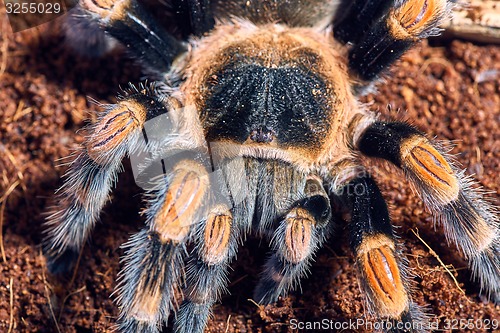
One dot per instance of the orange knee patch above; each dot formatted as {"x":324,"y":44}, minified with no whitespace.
{"x":382,"y":275}
{"x":216,"y":238}
{"x":114,"y":128}
{"x":182,"y":201}
{"x":298,"y":235}
{"x":430,"y":167}
{"x":414,"y":16}
{"x":114,"y":9}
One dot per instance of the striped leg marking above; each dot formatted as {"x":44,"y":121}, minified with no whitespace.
{"x":154,"y":265}
{"x":206,"y":272}
{"x":294,"y":242}
{"x":91,"y":176}
{"x":382,"y":269}
{"x":469,"y":220}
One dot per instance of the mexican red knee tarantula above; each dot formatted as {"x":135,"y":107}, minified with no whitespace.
{"x":261,"y":131}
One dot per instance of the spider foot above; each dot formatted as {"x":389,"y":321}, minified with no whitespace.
{"x":61,"y":263}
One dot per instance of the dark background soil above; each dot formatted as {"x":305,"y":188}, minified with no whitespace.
{"x":449,"y":89}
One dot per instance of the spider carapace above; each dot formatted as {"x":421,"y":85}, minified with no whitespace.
{"x":261,"y":131}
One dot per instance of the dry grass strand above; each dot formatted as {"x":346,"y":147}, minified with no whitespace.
{"x":435,"y":255}
{"x":3,"y":201}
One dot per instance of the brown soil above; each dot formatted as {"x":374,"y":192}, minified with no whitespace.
{"x":446,"y":90}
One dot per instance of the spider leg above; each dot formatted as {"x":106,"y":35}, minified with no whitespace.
{"x":388,"y":29}
{"x":216,"y":241}
{"x":206,"y":271}
{"x":92,"y":174}
{"x":148,"y":282}
{"x":299,"y":233}
{"x":201,"y":16}
{"x":354,"y":18}
{"x":469,"y":220}
{"x":86,"y":36}
{"x":131,"y":24}
{"x":382,"y":269}
{"x":154,"y":264}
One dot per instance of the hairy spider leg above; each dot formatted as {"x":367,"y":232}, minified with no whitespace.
{"x":92,"y":175}
{"x":154,"y":260}
{"x":388,"y":29}
{"x":134,"y":27}
{"x":300,"y":232}
{"x":381,"y":266}
{"x":216,"y":242}
{"x":469,"y":220}
{"x":259,"y":192}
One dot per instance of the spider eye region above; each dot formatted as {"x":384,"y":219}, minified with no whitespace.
{"x":249,"y":103}
{"x":262,"y":135}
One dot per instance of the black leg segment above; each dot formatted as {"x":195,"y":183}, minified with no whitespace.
{"x":384,"y":139}
{"x":131,"y":24}
{"x":354,"y":18}
{"x":381,"y":31}
{"x":382,"y":271}
{"x":193,"y":17}
{"x":369,"y":211}
{"x":468,"y":218}
{"x":201,"y":16}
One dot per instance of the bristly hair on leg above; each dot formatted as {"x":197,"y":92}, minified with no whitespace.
{"x":149,"y":282}
{"x":154,"y":267}
{"x":300,"y":232}
{"x":471,"y":222}
{"x":92,"y":174}
{"x":388,"y":38}
{"x":415,"y":316}
{"x":84,"y":35}
{"x":78,"y":204}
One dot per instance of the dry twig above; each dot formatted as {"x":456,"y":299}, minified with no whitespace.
{"x":19,"y":171}
{"x":11,"y":320}
{"x":434,"y":254}
{"x":3,"y":201}
{"x":70,"y":284}
{"x":261,"y":307}
{"x":478,"y":20}
{"x":5,"y":49}
{"x":227,"y":323}
{"x":47,"y":295}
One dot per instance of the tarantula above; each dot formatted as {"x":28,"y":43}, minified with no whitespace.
{"x":255,"y":126}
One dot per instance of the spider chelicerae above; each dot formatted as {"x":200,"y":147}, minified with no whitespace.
{"x":254,"y":126}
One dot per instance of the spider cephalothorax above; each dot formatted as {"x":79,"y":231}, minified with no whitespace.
{"x":255,"y":127}
{"x":272,"y":91}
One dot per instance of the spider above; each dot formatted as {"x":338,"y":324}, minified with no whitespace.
{"x":255,"y":126}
